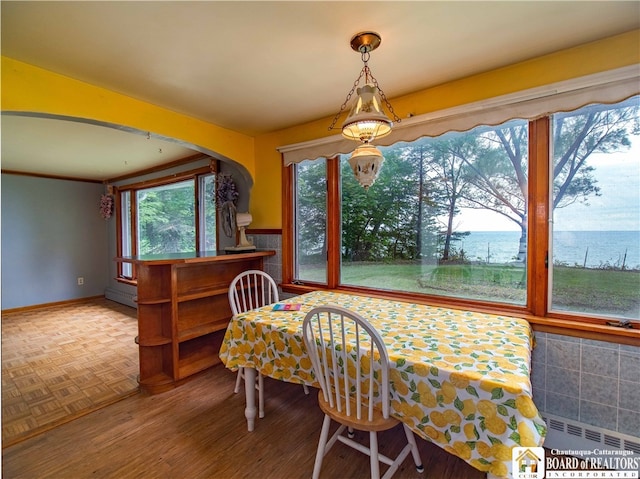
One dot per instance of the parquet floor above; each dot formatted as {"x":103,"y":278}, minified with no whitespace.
{"x":62,"y":362}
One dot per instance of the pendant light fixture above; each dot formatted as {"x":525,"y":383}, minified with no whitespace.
{"x":366,"y":120}
{"x":366,"y":161}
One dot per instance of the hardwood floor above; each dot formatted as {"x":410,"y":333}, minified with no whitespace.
{"x":198,"y":430}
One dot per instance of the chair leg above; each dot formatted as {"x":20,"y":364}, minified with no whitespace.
{"x":238,"y":380}
{"x":306,"y":389}
{"x":373,"y":453}
{"x":414,"y":448}
{"x":260,"y":395}
{"x":259,"y":388}
{"x":324,"y":434}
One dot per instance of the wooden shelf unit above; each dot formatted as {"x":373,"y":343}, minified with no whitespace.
{"x":183,"y":312}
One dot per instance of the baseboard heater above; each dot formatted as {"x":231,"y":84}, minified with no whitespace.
{"x":121,"y":297}
{"x":564,"y":434}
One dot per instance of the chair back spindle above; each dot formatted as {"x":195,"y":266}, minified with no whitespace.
{"x":349,"y":360}
{"x":351,"y":364}
{"x":250,"y":290}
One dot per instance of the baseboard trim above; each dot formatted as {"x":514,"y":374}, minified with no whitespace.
{"x":48,"y":305}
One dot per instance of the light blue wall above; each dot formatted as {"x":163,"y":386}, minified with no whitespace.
{"x":52,"y":233}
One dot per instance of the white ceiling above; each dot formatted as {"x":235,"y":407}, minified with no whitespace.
{"x":257,"y":67}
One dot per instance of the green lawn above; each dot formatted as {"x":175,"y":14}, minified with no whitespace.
{"x":594,"y":290}
{"x":575,"y":289}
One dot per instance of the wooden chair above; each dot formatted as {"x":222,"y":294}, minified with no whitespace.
{"x":337,"y":340}
{"x":250,"y":290}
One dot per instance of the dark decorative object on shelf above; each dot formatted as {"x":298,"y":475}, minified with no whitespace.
{"x":226,"y":199}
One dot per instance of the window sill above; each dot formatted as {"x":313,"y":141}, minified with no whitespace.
{"x":592,"y":329}
{"x":586,"y":330}
{"x":132,"y":282}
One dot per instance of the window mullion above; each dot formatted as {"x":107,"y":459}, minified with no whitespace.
{"x":133,"y":206}
{"x":538,"y":214}
{"x":288,"y":217}
{"x":197,"y":212}
{"x":119,"y":238}
{"x":334,"y":222}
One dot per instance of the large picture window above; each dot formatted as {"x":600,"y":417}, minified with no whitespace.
{"x":172,"y":215}
{"x":311,"y":221}
{"x":166,"y":218}
{"x":446,"y":217}
{"x":596,"y":211}
{"x":538,"y":216}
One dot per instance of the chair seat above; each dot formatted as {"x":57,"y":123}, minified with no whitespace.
{"x":379,"y":423}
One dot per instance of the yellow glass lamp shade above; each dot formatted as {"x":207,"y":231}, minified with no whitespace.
{"x":366,"y":121}
{"x":366,"y":161}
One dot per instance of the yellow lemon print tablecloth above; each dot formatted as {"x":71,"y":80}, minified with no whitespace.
{"x":459,"y":379}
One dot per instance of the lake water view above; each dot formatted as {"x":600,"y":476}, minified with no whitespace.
{"x":569,"y":247}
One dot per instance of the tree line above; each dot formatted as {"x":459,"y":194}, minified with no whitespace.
{"x":410,"y":212}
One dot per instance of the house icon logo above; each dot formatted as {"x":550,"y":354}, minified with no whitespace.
{"x":528,"y":462}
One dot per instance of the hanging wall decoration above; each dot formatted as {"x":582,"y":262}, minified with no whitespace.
{"x":106,"y":206}
{"x":226,"y":199}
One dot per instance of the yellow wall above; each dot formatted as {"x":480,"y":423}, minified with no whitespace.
{"x":608,"y":54}
{"x":26,"y":88}
{"x":30,"y":89}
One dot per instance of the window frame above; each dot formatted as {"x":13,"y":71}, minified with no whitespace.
{"x":132,"y":189}
{"x":536,"y":309}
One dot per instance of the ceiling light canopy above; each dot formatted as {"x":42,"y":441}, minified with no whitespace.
{"x":366,"y":120}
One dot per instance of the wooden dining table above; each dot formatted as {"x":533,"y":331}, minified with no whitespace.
{"x":460,"y":379}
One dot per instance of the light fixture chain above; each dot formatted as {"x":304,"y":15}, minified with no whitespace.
{"x":365,"y":57}
{"x":396,"y":118}
{"x":346,"y":101}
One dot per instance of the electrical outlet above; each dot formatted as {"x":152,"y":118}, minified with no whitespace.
{"x":80,"y":280}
